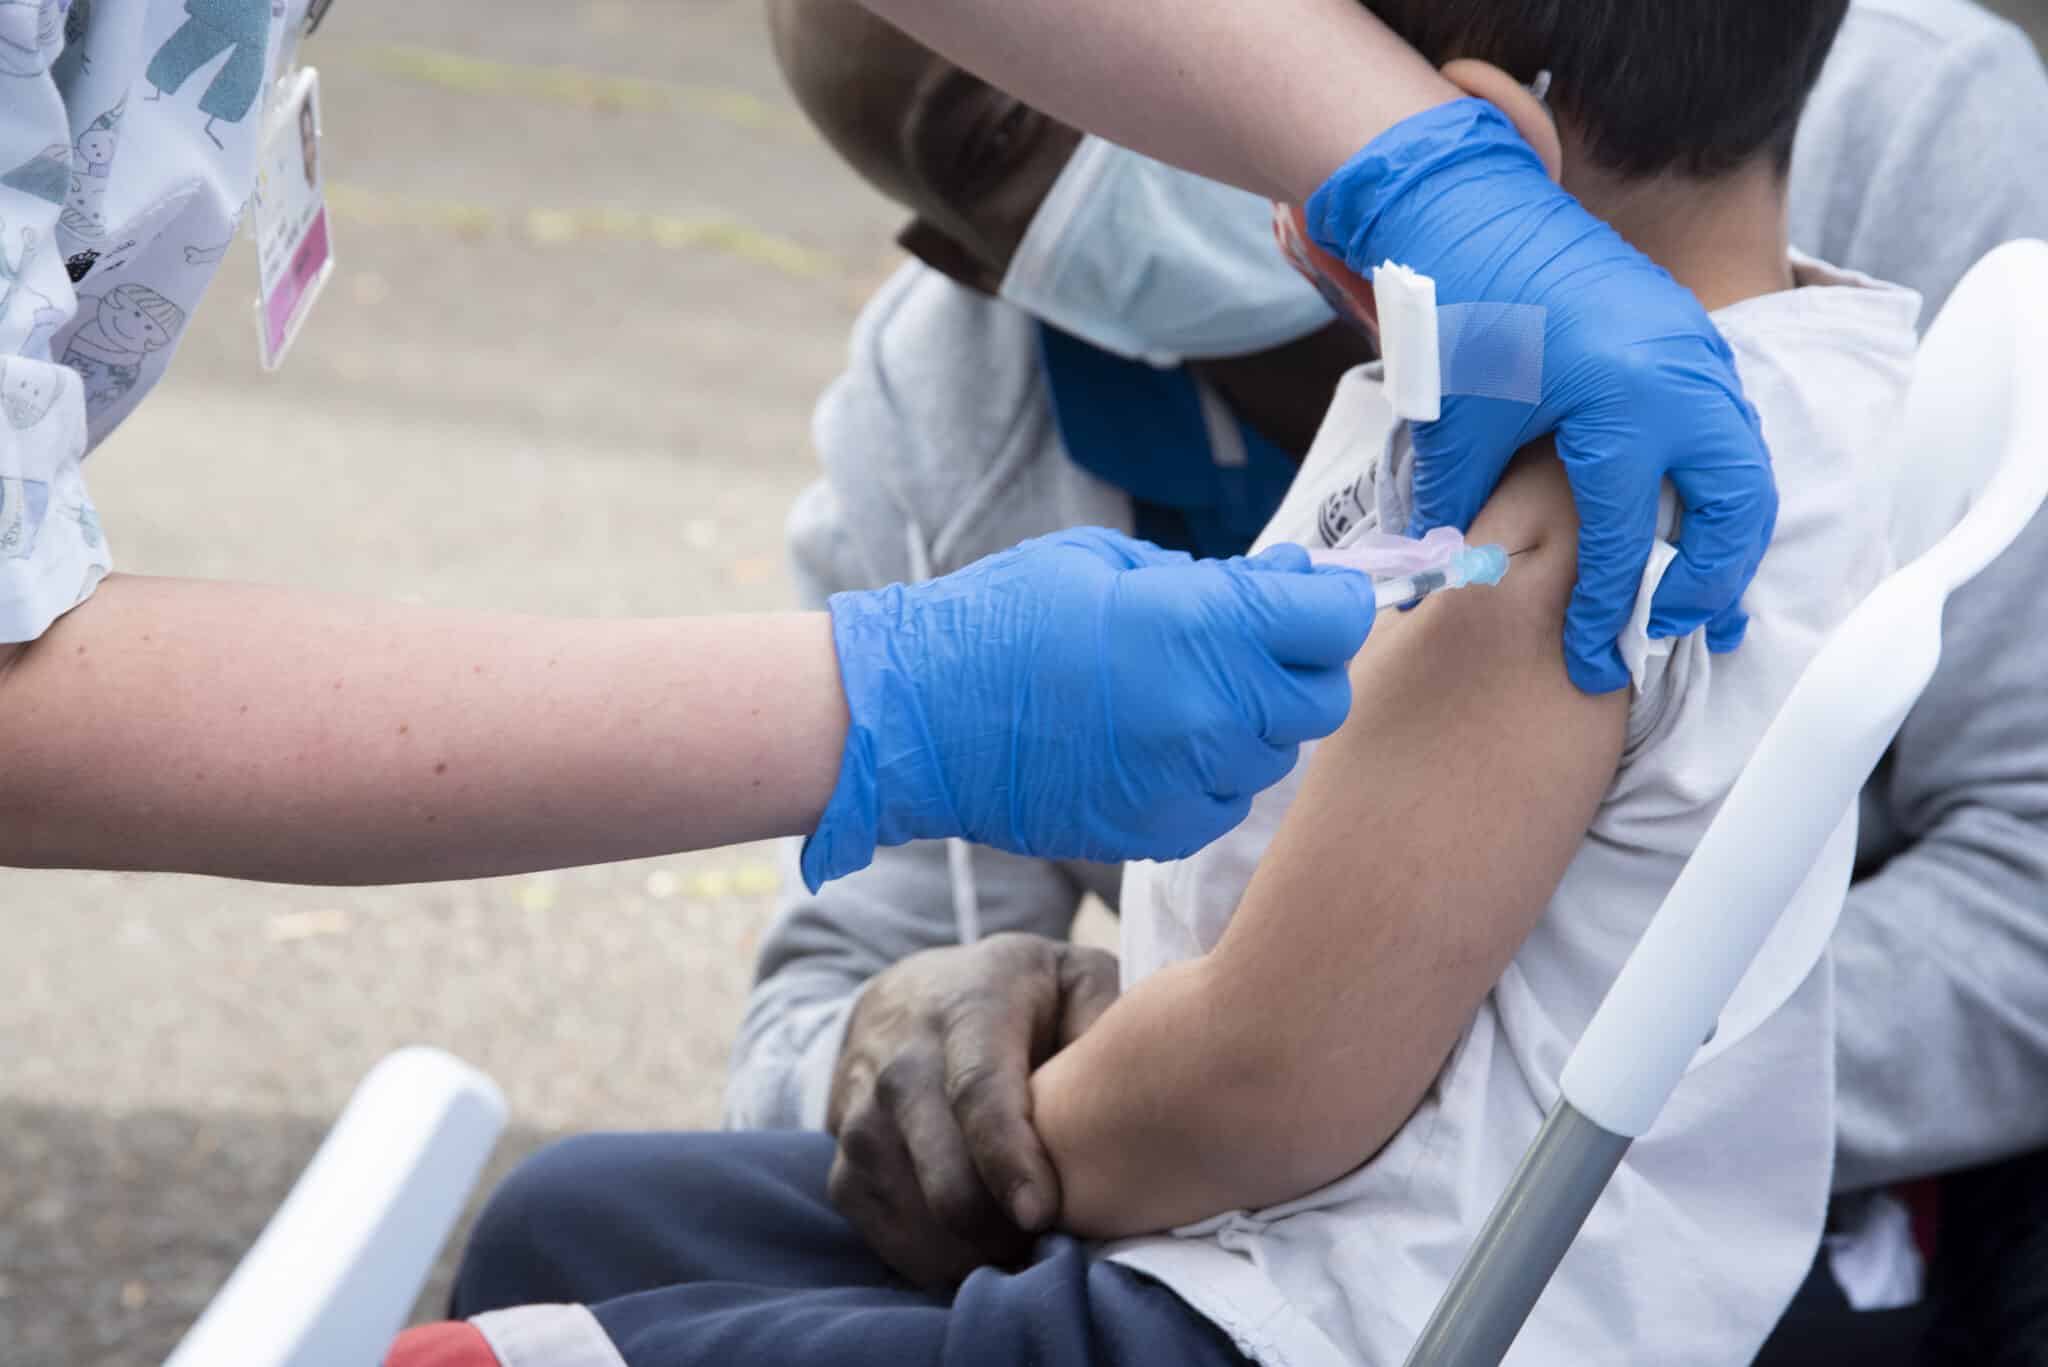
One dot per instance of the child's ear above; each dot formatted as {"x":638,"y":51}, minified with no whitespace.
{"x":1530,"y":116}
{"x":944,"y":254}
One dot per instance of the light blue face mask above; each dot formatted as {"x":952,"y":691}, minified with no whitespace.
{"x":1158,"y":265}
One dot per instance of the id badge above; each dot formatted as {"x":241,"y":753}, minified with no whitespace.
{"x":294,"y":254}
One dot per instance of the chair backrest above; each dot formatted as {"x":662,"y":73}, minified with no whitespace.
{"x":1975,"y":470}
{"x":1963,"y":416}
{"x":1975,"y":408}
{"x":335,"y":1272}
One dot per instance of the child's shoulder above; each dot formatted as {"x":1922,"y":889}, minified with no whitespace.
{"x":1829,"y":308}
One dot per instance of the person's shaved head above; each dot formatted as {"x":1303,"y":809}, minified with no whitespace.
{"x":972,"y":163}
{"x":856,"y":78}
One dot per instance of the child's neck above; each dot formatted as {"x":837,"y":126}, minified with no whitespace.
{"x":1723,"y":238}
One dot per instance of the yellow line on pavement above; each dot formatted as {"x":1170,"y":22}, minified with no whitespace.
{"x":572,"y":85}
{"x":549,"y":227}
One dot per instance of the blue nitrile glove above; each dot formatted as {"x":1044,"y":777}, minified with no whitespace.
{"x":1083,"y":696}
{"x":1637,"y":384}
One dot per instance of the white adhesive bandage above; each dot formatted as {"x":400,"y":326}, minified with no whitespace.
{"x":1408,"y":341}
{"x":1481,"y":350}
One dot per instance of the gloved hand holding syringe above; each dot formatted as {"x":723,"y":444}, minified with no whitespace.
{"x":1406,"y":570}
{"x":1474,"y":565}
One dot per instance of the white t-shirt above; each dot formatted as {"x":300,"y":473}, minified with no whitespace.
{"x":128,"y":143}
{"x":1714,"y":1216}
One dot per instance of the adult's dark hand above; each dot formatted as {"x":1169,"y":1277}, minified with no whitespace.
{"x":939,"y":1165}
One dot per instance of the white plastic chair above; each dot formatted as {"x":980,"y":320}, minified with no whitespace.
{"x":331,"y":1278}
{"x":1976,"y":421}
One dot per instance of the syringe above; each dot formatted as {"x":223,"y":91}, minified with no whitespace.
{"x":1473,"y":565}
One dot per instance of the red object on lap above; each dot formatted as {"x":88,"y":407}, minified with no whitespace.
{"x":448,"y":1344}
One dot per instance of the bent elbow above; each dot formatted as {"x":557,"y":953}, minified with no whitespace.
{"x":1308,"y":1115}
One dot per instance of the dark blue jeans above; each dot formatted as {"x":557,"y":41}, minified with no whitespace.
{"x":701,"y":1249}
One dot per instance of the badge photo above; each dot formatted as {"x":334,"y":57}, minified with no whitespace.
{"x":294,"y":250}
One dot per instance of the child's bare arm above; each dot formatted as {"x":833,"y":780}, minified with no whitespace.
{"x":303,"y":737}
{"x":1427,"y":837}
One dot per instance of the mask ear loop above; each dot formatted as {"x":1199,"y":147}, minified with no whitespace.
{"x":1034,"y":266}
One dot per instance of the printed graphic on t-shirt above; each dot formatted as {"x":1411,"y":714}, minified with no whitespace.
{"x":1342,"y":510}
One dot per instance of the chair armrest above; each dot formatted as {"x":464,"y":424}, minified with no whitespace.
{"x":334,"y":1273}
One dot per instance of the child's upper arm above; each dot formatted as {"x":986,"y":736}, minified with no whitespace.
{"x":1427,"y":837}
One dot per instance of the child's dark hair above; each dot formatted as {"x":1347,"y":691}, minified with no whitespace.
{"x":1698,"y":87}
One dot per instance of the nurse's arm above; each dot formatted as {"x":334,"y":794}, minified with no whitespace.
{"x":1427,"y":837}
{"x":301,"y":737}
{"x":1271,"y":96}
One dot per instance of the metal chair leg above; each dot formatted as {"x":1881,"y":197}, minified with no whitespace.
{"x":1525,"y":1238}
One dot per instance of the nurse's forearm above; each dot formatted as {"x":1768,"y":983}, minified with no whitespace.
{"x":1273,"y":96}
{"x":300,"y":737}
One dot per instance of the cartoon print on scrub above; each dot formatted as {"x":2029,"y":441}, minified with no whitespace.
{"x":139,"y":231}
{"x":46,"y":317}
{"x":43,"y":323}
{"x":46,"y":175}
{"x":92,"y":161}
{"x":121,"y":327}
{"x":196,"y":255}
{"x":27,"y":390}
{"x":22,"y":505}
{"x":12,"y":271}
{"x":240,"y":28}
{"x":67,"y":487}
{"x":75,"y":24}
{"x":67,"y":492}
{"x":206,"y":256}
{"x":111,"y":259}
{"x":29,"y":29}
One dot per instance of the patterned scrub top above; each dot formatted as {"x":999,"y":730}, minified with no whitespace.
{"x":129,"y":134}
